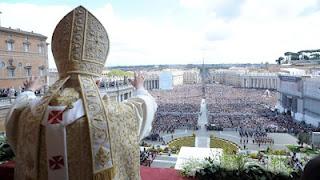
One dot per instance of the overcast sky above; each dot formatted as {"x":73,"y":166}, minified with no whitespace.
{"x":183,"y":31}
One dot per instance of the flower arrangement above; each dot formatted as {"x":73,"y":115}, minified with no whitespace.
{"x":237,"y":167}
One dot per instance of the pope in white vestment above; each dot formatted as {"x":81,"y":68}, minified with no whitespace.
{"x":72,"y":132}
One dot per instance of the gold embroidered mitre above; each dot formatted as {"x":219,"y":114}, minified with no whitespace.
{"x":80,"y":44}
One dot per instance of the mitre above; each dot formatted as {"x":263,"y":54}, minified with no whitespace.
{"x":80,"y":44}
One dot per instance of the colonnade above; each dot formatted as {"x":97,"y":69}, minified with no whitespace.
{"x":151,"y":84}
{"x":260,"y":82}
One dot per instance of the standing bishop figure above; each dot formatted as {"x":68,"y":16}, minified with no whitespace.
{"x":72,"y":133}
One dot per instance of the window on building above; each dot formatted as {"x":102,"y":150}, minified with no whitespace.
{"x":11,"y":72}
{"x":10,"y":42}
{"x":10,"y":46}
{"x":40,"y":49}
{"x":28,"y":71}
{"x":26,"y":47}
{"x":41,"y":71}
{"x":26,"y":44}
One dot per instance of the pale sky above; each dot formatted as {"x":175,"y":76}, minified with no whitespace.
{"x":183,"y":31}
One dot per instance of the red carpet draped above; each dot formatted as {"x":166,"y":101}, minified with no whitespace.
{"x":147,"y":173}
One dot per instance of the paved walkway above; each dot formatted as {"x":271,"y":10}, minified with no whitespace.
{"x":280,"y":139}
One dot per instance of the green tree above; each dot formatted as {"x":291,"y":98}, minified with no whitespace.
{"x":119,"y":73}
{"x":305,"y":57}
{"x":315,"y":56}
{"x":303,"y":138}
{"x":280,"y":60}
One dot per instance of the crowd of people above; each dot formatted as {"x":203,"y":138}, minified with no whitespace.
{"x":231,"y":107}
{"x":167,"y":123}
{"x":258,"y":136}
{"x":177,"y":109}
{"x":9,"y":92}
{"x":249,"y":110}
{"x":13,"y":92}
{"x":146,"y":157}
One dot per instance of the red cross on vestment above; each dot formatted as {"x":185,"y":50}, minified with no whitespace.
{"x":56,"y":162}
{"x":55,"y":117}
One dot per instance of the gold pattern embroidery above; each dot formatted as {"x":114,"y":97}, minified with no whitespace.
{"x":103,"y":156}
{"x":98,"y":124}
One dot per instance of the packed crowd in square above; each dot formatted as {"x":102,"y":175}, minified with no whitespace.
{"x":249,"y":109}
{"x":177,"y":109}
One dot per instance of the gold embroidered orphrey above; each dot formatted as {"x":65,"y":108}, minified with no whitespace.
{"x":80,"y":47}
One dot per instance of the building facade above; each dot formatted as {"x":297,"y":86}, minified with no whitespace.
{"x":22,"y":55}
{"x":191,"y":77}
{"x":259,"y":80}
{"x":300,"y":96}
{"x":151,"y":81}
{"x":244,"y":79}
{"x":118,"y":93}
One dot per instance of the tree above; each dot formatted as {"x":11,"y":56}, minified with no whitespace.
{"x":315,"y":56}
{"x":303,"y":138}
{"x":304,"y":57}
{"x":119,"y":73}
{"x":280,"y":60}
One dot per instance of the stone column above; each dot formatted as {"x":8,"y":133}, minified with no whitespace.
{"x":260,"y":83}
{"x":270,"y":80}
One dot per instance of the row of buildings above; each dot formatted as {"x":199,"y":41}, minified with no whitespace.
{"x":22,"y":55}
{"x":244,"y":79}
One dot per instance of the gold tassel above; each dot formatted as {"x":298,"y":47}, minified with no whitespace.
{"x":107,"y":174}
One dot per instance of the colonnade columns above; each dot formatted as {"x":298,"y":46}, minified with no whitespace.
{"x":151,"y":84}
{"x":259,"y":82}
